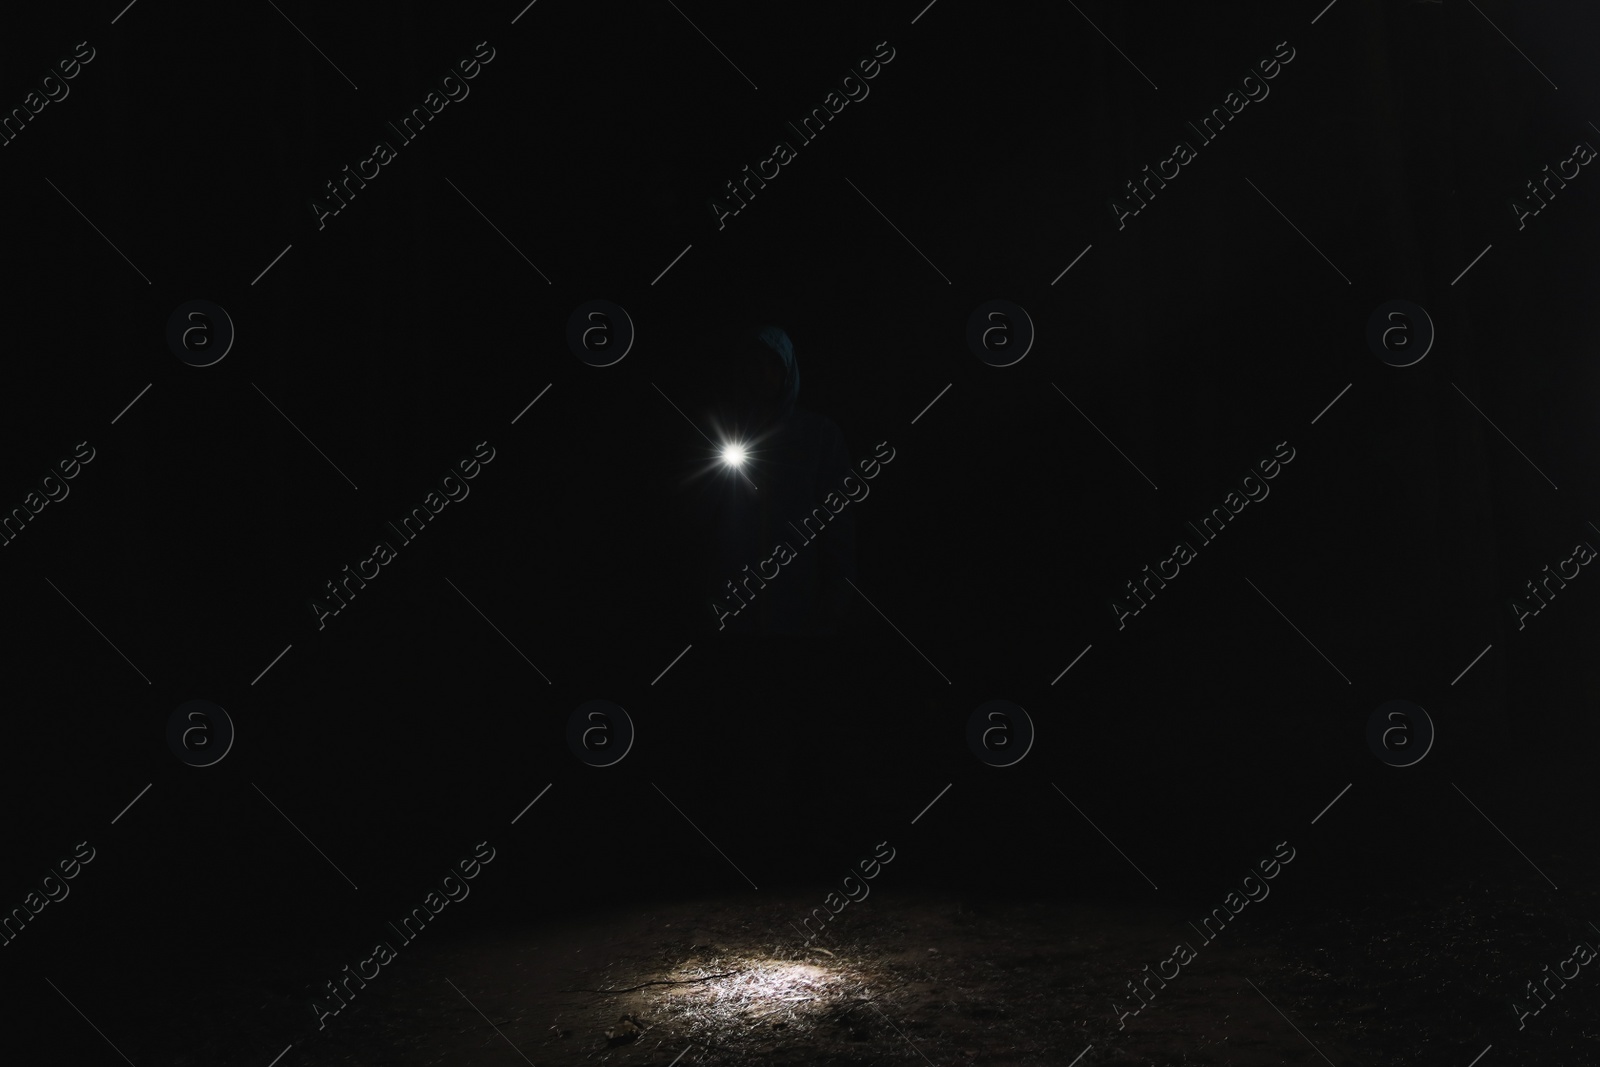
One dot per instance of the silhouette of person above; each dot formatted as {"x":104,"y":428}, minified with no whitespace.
{"x":781,"y":554}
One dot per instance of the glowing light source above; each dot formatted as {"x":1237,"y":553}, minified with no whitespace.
{"x":733,"y":455}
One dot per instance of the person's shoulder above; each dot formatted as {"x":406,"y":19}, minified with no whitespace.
{"x":814,"y":424}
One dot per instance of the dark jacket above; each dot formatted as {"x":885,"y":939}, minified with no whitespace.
{"x":787,"y":544}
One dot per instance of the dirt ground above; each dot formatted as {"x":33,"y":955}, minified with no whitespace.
{"x":1379,"y":982}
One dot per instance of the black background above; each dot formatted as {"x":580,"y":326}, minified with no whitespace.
{"x":407,"y":330}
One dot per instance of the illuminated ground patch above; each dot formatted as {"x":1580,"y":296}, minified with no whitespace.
{"x":759,"y":994}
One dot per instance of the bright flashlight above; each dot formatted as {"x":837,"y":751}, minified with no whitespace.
{"x":733,"y":455}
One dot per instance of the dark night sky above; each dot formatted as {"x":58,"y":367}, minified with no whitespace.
{"x":408,"y":330}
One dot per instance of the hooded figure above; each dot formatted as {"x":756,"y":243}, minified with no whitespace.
{"x":783,"y":525}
